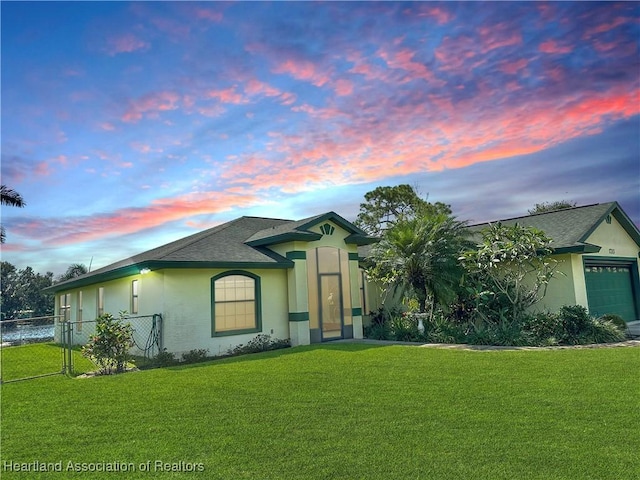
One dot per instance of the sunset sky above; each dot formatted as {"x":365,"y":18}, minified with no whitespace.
{"x":128,"y":125}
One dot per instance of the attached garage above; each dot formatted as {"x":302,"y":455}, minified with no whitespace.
{"x":611,"y":287}
{"x":598,"y":247}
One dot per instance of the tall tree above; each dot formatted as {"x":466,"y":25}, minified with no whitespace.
{"x":10,"y":198}
{"x":21,"y":292}
{"x":385,"y":206}
{"x":545,"y":207}
{"x":512,"y":264}
{"x":421,"y":255}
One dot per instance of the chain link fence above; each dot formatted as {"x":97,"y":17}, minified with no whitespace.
{"x":147,"y":340}
{"x":28,"y":348}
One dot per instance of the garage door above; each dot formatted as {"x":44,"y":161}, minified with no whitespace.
{"x":610,"y":290}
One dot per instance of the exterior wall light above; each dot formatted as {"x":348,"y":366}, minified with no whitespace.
{"x":144,"y":271}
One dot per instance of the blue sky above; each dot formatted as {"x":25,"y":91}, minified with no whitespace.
{"x":128,"y":125}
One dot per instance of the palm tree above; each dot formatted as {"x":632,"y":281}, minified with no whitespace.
{"x":74,"y":270}
{"x":11,"y":198}
{"x":421,"y":255}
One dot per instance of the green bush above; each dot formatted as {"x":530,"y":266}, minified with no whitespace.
{"x":542,"y":329}
{"x":261,"y":343}
{"x":405,"y":329}
{"x":109,"y":347}
{"x":164,"y":359}
{"x":617,"y":320}
{"x":601,"y":331}
{"x":195,"y":356}
{"x":575,"y":321}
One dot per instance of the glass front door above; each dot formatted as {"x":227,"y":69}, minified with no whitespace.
{"x":331,"y":306}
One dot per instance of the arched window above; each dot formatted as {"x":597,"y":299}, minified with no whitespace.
{"x":235,"y":303}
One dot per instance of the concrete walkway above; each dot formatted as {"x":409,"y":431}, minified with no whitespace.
{"x":462,"y":346}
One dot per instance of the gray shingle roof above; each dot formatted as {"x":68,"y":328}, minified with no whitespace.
{"x":220,"y":246}
{"x":240,"y":243}
{"x":570,"y":228}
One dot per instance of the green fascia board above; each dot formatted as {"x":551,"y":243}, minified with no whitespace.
{"x":621,"y":217}
{"x":160,"y":265}
{"x":584,"y":248}
{"x":296,"y":255}
{"x":285,"y":237}
{"x":335,"y":218}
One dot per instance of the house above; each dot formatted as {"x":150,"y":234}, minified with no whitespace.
{"x":598,"y":247}
{"x":297,"y":280}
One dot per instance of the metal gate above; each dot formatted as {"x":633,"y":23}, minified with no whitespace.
{"x":28,"y":348}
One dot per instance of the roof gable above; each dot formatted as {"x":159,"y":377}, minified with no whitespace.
{"x":570,"y":228}
{"x":300,"y":230}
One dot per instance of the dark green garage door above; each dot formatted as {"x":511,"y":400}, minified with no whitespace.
{"x":610,"y":290}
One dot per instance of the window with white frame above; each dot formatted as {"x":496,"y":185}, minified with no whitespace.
{"x":135,"y":285}
{"x":65,"y":307}
{"x":100,"y":301}
{"x":79,"y":313}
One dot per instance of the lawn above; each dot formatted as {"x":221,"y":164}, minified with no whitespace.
{"x":37,"y":359}
{"x":347,"y":411}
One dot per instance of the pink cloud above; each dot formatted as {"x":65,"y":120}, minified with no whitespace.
{"x":439,"y":14}
{"x":303,"y":70}
{"x":227,"y":95}
{"x":512,"y":67}
{"x":343,"y":87}
{"x":150,"y":105}
{"x":553,"y":47}
{"x":207,"y":14}
{"x":126,"y":43}
{"x":607,"y":26}
{"x":405,"y":59}
{"x":70,"y":230}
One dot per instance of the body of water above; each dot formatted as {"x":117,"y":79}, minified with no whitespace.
{"x":27,"y":333}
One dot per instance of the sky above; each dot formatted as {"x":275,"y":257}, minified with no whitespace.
{"x":126,"y":125}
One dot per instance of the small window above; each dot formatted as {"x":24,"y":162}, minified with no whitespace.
{"x":235,"y":304}
{"x":134,"y":296}
{"x":363,"y":290}
{"x":79,"y":313}
{"x":100,"y":301}
{"x":65,"y":307}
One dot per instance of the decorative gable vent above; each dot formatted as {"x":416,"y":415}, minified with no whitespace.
{"x":327,"y":229}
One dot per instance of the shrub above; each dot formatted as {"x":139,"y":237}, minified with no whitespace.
{"x":109,"y":346}
{"x":164,"y":359}
{"x":617,"y":320}
{"x":195,"y":356}
{"x":601,"y":331}
{"x":542,"y":329}
{"x":261,"y":343}
{"x":575,"y":321}
{"x":404,"y":328}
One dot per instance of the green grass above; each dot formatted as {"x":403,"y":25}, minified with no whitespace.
{"x":343,"y":411}
{"x":37,"y":359}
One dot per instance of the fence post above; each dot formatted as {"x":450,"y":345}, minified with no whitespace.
{"x":70,"y":345}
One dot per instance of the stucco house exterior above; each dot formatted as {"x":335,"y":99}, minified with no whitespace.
{"x":598,"y":247}
{"x":302,"y":280}
{"x":297,"y":280}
